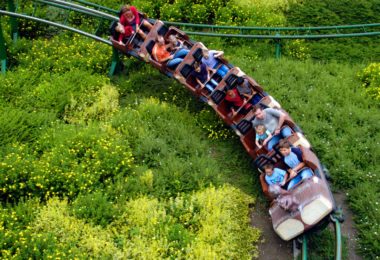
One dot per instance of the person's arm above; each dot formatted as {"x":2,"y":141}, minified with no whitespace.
{"x":218,"y":54}
{"x":298,"y":153}
{"x":257,"y":144}
{"x":199,"y":82}
{"x":268,"y":138}
{"x":281,"y":120}
{"x":285,"y":179}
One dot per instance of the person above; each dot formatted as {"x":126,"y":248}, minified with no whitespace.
{"x":274,"y":176}
{"x":262,"y":136}
{"x":293,"y":160}
{"x":174,"y":44}
{"x":210,"y":59}
{"x":235,"y":101}
{"x":202,"y":76}
{"x":130,"y":19}
{"x":122,"y":37}
{"x":162,"y":55}
{"x":245,"y":89}
{"x":273,"y":120}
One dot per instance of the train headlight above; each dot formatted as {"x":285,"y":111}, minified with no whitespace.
{"x":289,"y":229}
{"x":316,"y":210}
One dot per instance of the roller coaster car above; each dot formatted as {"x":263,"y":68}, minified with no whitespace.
{"x":313,"y":197}
{"x":159,"y":28}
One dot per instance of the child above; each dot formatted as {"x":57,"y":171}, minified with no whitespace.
{"x":130,"y":19}
{"x":275,"y":175}
{"x":235,"y":102}
{"x":293,"y":159}
{"x":262,"y":136}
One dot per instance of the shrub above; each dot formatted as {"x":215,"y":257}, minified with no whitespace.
{"x":370,"y":78}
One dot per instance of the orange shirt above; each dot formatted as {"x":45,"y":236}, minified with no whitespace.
{"x":160,"y":53}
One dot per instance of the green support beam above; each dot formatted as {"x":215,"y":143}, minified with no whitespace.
{"x":115,"y":65}
{"x":3,"y":51}
{"x":13,"y":20}
{"x":278,"y":47}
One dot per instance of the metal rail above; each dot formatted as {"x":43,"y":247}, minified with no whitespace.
{"x":65,"y":27}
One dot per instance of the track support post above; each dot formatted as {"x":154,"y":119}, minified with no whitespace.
{"x":337,"y":218}
{"x":115,"y":65}
{"x":278,"y":46}
{"x":13,"y":20}
{"x":3,"y":51}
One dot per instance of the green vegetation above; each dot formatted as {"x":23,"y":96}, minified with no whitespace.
{"x":134,"y":167}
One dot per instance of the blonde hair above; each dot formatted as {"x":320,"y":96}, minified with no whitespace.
{"x":260,"y":128}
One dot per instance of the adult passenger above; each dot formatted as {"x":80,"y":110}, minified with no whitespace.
{"x":273,"y":120}
{"x":245,"y":89}
{"x":210,"y":59}
{"x":162,"y":55}
{"x":202,"y":76}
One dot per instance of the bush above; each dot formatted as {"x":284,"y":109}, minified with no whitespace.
{"x":370,"y":77}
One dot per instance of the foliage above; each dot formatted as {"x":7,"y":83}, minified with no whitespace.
{"x":370,"y":76}
{"x":330,"y":12}
{"x":297,"y":49}
{"x":65,"y":52}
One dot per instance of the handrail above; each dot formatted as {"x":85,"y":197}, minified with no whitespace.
{"x":277,"y":36}
{"x":65,"y":27}
{"x":80,"y":7}
{"x":70,"y":8}
{"x":353,"y":26}
{"x":248,"y":28}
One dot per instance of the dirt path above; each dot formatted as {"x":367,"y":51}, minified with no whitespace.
{"x":272,"y":247}
{"x":347,"y":227}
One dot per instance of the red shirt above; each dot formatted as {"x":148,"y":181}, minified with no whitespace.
{"x":237,"y":101}
{"x":128,"y":25}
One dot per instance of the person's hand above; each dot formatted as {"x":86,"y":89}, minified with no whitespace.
{"x":277,"y":131}
{"x":292,"y":173}
{"x":265,"y":142}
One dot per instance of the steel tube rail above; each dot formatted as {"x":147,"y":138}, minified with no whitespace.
{"x":258,"y":36}
{"x":354,"y":26}
{"x":275,"y":29}
{"x":70,"y":8}
{"x":84,"y":8}
{"x":65,"y":27}
{"x":97,"y":6}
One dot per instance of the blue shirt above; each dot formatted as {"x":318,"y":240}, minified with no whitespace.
{"x":294,"y":158}
{"x":277,"y":176}
{"x":202,"y":75}
{"x":263,"y":136}
{"x":211,"y":62}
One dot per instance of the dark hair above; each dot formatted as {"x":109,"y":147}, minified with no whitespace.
{"x":125,"y":8}
{"x":239,"y":80}
{"x":255,"y":108}
{"x":284,"y":144}
{"x":269,"y":166}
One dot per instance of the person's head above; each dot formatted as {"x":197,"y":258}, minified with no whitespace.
{"x":120,"y":28}
{"x":160,"y":40}
{"x":240,"y":80}
{"x":172,"y":39}
{"x":205,"y":53}
{"x":126,"y":11}
{"x":260,"y":129}
{"x":197,"y":66}
{"x":284,"y":147}
{"x":268,"y":168}
{"x":259,"y":113}
{"x":231,"y":93}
